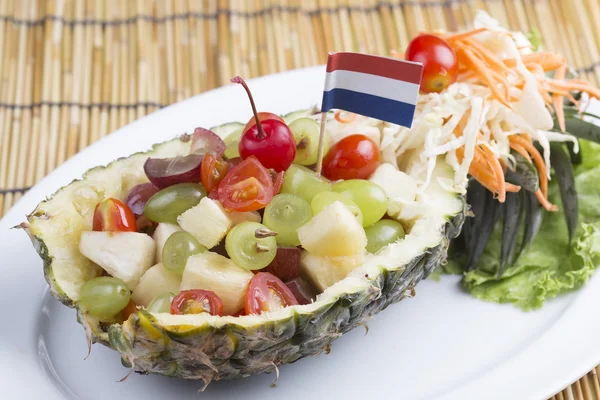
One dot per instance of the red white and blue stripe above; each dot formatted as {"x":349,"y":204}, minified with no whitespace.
{"x":373,"y":86}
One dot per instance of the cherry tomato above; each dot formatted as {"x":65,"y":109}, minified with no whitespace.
{"x":129,"y":309}
{"x":247,"y":187}
{"x":353,"y":157}
{"x":196,"y":301}
{"x":112,"y":215}
{"x":266,"y":292}
{"x":440,"y":68}
{"x":278,"y":182}
{"x":262,"y":116}
{"x":274,"y":146}
{"x":212,"y":171}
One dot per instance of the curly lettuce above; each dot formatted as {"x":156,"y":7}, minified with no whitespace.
{"x":550,"y":266}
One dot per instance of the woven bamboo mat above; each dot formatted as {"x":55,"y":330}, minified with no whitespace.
{"x":73,"y":71}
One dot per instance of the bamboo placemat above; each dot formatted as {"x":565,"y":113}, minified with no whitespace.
{"x":72,"y":71}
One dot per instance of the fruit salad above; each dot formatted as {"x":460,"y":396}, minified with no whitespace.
{"x":244,"y":224}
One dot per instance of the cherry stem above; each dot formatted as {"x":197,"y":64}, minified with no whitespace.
{"x":261,"y":133}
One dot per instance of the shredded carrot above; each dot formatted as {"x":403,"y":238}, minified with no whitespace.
{"x":463,"y":35}
{"x":544,"y":201}
{"x":557,"y":99}
{"x":548,"y":61}
{"x":345,"y":117}
{"x":497,"y":170}
{"x":574,"y":86}
{"x":487,"y":56}
{"x":470,"y":58}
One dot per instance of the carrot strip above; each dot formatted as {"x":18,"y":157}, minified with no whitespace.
{"x":544,"y":201}
{"x":548,"y":61}
{"x":464,"y":35}
{"x":344,"y":118}
{"x":557,"y":99}
{"x":484,"y":74}
{"x":569,"y":85}
{"x":487,"y":55}
{"x":497,"y":170}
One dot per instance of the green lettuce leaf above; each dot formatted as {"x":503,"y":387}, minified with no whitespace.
{"x":550,"y":266}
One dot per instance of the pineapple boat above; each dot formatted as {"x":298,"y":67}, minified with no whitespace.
{"x":223,"y":253}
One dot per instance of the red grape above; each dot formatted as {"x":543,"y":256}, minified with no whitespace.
{"x":303,"y":291}
{"x":164,"y":172}
{"x":138,"y":196}
{"x":286,"y":264}
{"x":205,"y":141}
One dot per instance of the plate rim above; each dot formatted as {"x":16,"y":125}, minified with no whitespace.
{"x":553,"y":373}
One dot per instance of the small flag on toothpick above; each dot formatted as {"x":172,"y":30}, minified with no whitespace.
{"x":377,"y":87}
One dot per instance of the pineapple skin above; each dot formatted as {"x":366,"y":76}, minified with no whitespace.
{"x":229,"y":350}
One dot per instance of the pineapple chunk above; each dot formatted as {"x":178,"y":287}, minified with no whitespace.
{"x":325,"y":271}
{"x":208,"y":222}
{"x":237,"y":217}
{"x":212,"y":271}
{"x":161,"y":234}
{"x":396,"y":184}
{"x":157,"y":280}
{"x":124,"y":255}
{"x":333,"y":232}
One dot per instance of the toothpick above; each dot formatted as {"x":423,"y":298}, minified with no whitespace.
{"x":321,"y":143}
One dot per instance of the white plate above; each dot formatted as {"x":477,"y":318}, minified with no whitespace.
{"x":443,"y":344}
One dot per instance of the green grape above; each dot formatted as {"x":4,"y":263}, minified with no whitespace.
{"x":284,"y":215}
{"x":323,"y":199}
{"x":232,"y":142}
{"x":303,"y":182}
{"x":170,"y":202}
{"x":177,"y":249}
{"x":104,"y":297}
{"x":247,"y":250}
{"x":369,"y":197}
{"x":382,"y":233}
{"x":161,"y":303}
{"x":306,"y":136}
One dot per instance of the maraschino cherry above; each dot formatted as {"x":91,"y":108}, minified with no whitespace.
{"x":266,"y":137}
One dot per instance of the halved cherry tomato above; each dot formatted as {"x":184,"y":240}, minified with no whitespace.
{"x":278,"y":182}
{"x":212,"y":171}
{"x":196,"y":301}
{"x":353,"y":157}
{"x":262,"y":116}
{"x":440,"y":68}
{"x":247,"y":187}
{"x":266,"y":292}
{"x":112,"y":215}
{"x":129,"y":309}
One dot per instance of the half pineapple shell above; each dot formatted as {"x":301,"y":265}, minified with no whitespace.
{"x":206,"y":347}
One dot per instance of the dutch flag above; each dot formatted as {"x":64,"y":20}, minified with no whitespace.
{"x":373,"y":86}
